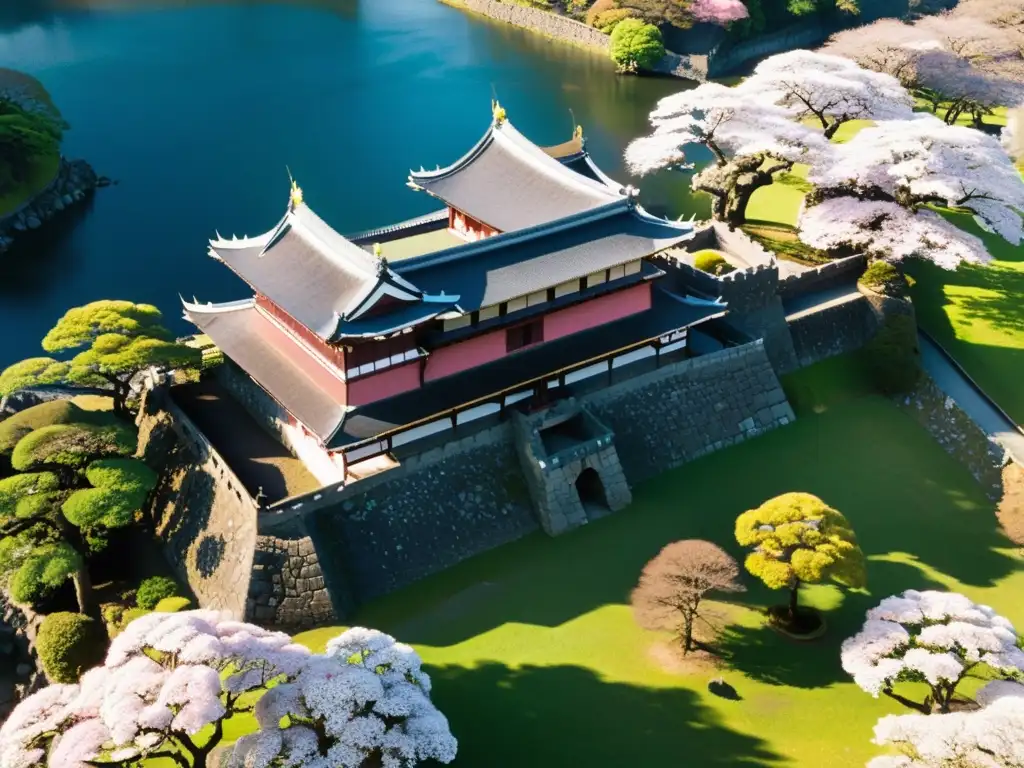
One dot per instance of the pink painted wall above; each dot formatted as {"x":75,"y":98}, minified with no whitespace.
{"x":466,"y":354}
{"x":597,"y":311}
{"x":386,"y":383}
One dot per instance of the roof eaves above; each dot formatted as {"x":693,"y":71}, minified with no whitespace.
{"x":457,"y":165}
{"x":459,"y":252}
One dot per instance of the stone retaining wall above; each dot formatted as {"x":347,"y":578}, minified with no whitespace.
{"x":74,"y":182}
{"x":668,"y":417}
{"x":833,"y":330}
{"x":201,"y":511}
{"x":549,"y":24}
{"x":394,"y":528}
{"x":957,"y":433}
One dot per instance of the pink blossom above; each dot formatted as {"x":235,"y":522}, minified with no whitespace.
{"x":721,"y":12}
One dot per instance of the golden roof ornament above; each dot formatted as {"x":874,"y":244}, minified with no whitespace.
{"x":498,"y":112}
{"x":377,"y":250}
{"x":296,"y":195}
{"x":578,"y":133}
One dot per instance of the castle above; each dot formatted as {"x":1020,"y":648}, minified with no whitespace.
{"x":514,"y":362}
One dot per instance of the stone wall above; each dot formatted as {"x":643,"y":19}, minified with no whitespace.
{"x":670,"y":416}
{"x":957,"y":433}
{"x":730,"y":58}
{"x":549,"y":24}
{"x":433,"y":511}
{"x":261,"y":406}
{"x":21,"y":672}
{"x":831,"y":275}
{"x":287,"y":588}
{"x":201,"y":511}
{"x":832,"y":330}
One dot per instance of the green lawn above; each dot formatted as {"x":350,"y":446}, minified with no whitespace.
{"x":537,"y":660}
{"x":41,"y":175}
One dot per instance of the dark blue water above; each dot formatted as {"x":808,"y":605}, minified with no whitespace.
{"x":198,"y":109}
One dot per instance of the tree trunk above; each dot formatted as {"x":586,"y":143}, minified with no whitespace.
{"x":793,"y":594}
{"x":687,"y":634}
{"x":830,"y":130}
{"x":922,"y":708}
{"x":83,"y":590}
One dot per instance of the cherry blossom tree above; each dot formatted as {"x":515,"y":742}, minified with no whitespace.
{"x":933,"y":637}
{"x":366,"y":702}
{"x":992,"y":737}
{"x":831,"y":90}
{"x":913,"y":164}
{"x":750,"y":138}
{"x":170,"y":681}
{"x":721,"y":12}
{"x":888,"y":46}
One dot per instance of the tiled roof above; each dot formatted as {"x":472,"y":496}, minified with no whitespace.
{"x":509,"y":183}
{"x":515,"y":264}
{"x":294,"y":378}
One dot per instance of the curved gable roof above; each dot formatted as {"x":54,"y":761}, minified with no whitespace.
{"x":509,"y":183}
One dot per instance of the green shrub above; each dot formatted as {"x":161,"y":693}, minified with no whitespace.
{"x":131,"y":615}
{"x":598,"y":8}
{"x":68,"y":644}
{"x":891,"y":358}
{"x":884,"y":278}
{"x":15,"y":427}
{"x":172,"y":604}
{"x":636,"y":45}
{"x":155,"y":589}
{"x":712,"y":262}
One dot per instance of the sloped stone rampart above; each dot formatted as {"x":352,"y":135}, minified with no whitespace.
{"x":201,"y":512}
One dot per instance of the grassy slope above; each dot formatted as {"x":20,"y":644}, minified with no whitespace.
{"x":975,"y":312}
{"x":46,"y":167}
{"x":536,"y":658}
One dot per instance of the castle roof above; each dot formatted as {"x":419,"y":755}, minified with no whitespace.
{"x":322,"y":280}
{"x":508,"y":182}
{"x":289,"y":372}
{"x":521,"y":262}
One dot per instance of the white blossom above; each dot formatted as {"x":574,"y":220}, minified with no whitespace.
{"x":935,"y":637}
{"x":165,"y":674}
{"x":735,"y":121}
{"x":368,"y":694}
{"x":888,"y":231}
{"x":819,"y":85}
{"x":923,"y":160}
{"x":991,"y":737}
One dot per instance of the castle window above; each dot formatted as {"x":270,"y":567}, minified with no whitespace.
{"x":536,"y":298}
{"x":524,"y":335}
{"x":514,"y":305}
{"x":616,"y":272}
{"x":596,"y":279}
{"x":565,"y":289}
{"x":633,"y":267}
{"x":488,"y":313}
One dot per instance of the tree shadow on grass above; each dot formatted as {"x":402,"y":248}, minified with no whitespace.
{"x":764,"y":655}
{"x":567,"y":716}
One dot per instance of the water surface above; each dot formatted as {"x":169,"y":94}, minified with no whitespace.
{"x":198,"y":108}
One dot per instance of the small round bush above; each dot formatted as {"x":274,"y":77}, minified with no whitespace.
{"x":68,"y":644}
{"x":884,"y":278}
{"x":155,"y":589}
{"x":712,"y":262}
{"x":636,"y":45}
{"x":172,"y":604}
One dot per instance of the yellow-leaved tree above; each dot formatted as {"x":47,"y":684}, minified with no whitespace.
{"x":795,"y":539}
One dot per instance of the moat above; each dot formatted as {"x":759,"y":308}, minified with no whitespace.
{"x":198,"y":110}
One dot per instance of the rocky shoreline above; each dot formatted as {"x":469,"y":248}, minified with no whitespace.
{"x":75,"y":182}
